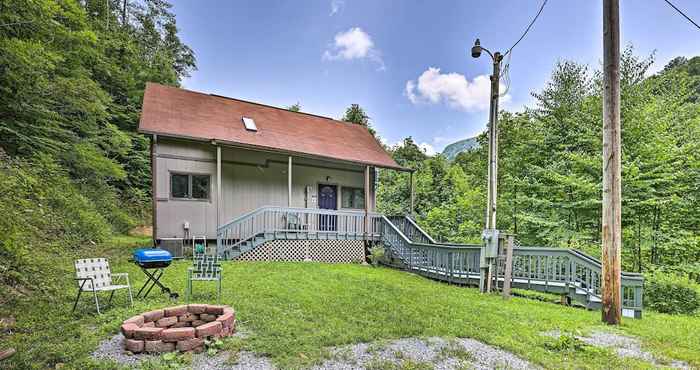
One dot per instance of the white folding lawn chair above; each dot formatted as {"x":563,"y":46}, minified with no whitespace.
{"x":93,"y":275}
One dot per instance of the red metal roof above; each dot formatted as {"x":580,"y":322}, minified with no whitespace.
{"x":170,"y":111}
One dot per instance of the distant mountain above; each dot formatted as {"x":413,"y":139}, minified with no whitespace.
{"x":451,"y":151}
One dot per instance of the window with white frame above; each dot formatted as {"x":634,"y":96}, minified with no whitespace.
{"x":353,"y":198}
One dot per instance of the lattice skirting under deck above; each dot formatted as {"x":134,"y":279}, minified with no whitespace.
{"x":329,"y":251}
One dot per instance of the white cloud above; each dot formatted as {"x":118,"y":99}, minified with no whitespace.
{"x":452,"y":88}
{"x":337,"y":6}
{"x":427,"y":149}
{"x":354,"y":44}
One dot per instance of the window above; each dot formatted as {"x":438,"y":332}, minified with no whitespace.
{"x":249,"y":124}
{"x":188,"y":186}
{"x":353,"y":198}
{"x":200,"y":186}
{"x":179,"y":186}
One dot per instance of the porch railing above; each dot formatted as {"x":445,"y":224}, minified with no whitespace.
{"x":300,"y":223}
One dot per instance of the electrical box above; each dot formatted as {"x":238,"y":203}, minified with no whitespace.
{"x":490,"y":237}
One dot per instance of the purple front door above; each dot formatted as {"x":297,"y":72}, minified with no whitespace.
{"x":327,"y":199}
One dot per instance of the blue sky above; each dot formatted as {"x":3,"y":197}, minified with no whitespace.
{"x":407,"y":62}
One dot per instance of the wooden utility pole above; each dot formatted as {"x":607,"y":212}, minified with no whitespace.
{"x":124,"y":5}
{"x":486,"y":262}
{"x":612,"y":188}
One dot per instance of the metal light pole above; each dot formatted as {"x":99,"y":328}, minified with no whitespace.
{"x":490,"y":235}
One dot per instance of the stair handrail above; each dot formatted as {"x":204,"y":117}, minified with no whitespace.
{"x":407,"y":240}
{"x":590,"y":282}
{"x":420,"y":229}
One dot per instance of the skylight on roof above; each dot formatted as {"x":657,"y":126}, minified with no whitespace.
{"x":249,"y":124}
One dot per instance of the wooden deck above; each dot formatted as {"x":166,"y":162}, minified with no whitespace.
{"x":555,"y":270}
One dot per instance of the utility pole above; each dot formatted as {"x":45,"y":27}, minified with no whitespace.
{"x":612,"y":188}
{"x":493,"y":143}
{"x":490,"y":235}
{"x":124,"y":6}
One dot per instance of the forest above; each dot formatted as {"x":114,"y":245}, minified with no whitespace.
{"x":550,"y":169}
{"x":73,"y":170}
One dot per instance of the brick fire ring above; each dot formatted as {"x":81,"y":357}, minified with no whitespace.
{"x":182,"y":328}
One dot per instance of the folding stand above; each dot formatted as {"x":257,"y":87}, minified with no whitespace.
{"x":153,"y":280}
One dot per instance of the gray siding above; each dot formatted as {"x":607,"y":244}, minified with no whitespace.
{"x":250,"y":180}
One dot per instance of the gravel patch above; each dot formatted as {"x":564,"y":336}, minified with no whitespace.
{"x":624,"y":346}
{"x":113,"y":350}
{"x":246,"y":360}
{"x":438,"y":352}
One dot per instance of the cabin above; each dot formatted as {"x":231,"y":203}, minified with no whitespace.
{"x":242,"y":174}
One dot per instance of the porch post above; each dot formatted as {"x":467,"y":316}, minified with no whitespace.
{"x":154,"y":187}
{"x":218,"y":186}
{"x":367,"y":230}
{"x":410,"y":180}
{"x":289,"y":182}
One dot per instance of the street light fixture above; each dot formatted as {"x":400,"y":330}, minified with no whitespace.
{"x":490,"y":235}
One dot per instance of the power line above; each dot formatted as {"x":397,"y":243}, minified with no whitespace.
{"x":506,"y":68}
{"x":683,"y":14}
{"x":528,"y":27}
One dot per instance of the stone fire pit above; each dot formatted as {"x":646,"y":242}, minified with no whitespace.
{"x":182,"y":328}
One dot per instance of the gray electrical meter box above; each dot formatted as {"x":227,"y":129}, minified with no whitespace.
{"x":490,"y":238}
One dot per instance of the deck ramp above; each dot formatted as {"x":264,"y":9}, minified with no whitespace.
{"x":571,"y":273}
{"x":568,"y":272}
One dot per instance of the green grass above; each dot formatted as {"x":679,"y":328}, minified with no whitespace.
{"x":293,"y":312}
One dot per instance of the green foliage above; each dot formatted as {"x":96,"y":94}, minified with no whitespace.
{"x":670,"y":293}
{"x":356,"y":114}
{"x":73,"y":170}
{"x":213,"y":346}
{"x":376,"y":255}
{"x":550,"y":169}
{"x":296,"y":107}
{"x":566,"y":343}
{"x":170,"y":360}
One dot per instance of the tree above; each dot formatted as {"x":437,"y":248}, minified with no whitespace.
{"x":72,"y":76}
{"x":356,"y":114}
{"x":296,"y":107}
{"x":549,"y":169}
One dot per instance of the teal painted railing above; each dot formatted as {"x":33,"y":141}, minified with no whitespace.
{"x":273,"y":223}
{"x":557,"y":270}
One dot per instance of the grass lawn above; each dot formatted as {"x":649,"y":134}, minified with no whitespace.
{"x":294,"y":311}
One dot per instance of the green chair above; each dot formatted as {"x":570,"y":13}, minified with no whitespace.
{"x":204,"y":268}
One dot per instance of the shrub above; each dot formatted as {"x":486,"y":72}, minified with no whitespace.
{"x":670,"y":293}
{"x":376,"y":255}
{"x":566,"y":343}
